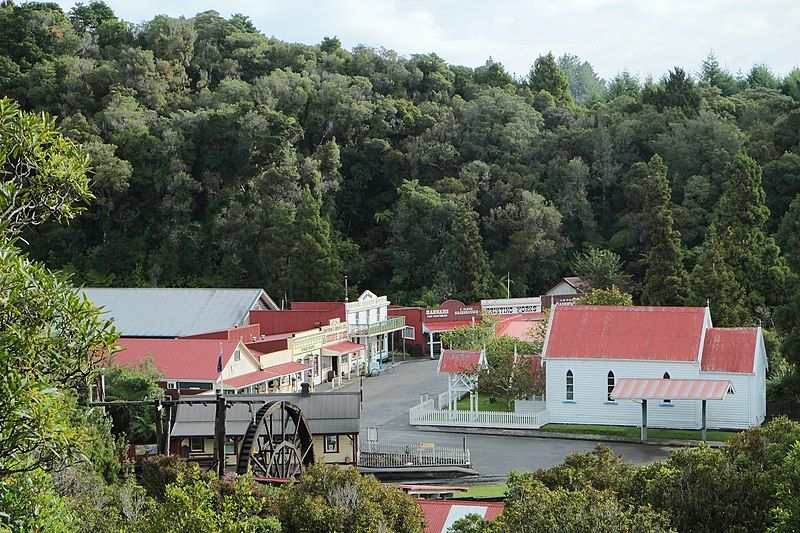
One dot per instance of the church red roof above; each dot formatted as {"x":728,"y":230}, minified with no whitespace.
{"x":730,"y":350}
{"x":625,"y":332}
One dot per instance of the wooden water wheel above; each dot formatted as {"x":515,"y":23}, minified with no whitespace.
{"x":278,"y":442}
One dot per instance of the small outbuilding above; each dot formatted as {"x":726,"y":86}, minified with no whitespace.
{"x":462,"y":368}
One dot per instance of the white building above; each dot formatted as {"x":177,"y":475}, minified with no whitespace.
{"x":512,"y":306}
{"x":587,"y":349}
{"x":370,"y":324}
{"x":569,"y":286}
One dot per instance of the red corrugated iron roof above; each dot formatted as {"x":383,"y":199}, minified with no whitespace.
{"x":626,"y":332}
{"x":344,"y":347}
{"x":523,"y":326}
{"x":438,"y":327}
{"x":265,"y":374}
{"x":442,"y":514}
{"x":674,"y":389}
{"x":244,"y":333}
{"x":177,"y":358}
{"x":730,"y":350}
{"x":290,"y":321}
{"x":461,"y":361}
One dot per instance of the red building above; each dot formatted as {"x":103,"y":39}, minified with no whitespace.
{"x":424,"y":326}
{"x":440,"y":515}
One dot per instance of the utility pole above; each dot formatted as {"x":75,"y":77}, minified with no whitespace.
{"x":219,"y":433}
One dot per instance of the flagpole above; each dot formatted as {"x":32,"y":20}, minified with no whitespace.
{"x":220,"y":368}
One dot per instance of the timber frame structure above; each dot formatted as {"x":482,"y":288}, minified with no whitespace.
{"x":270,"y":454}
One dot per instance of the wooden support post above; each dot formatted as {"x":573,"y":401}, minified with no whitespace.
{"x":219,"y":434}
{"x":159,"y":427}
{"x":167,"y":427}
{"x":703,"y":431}
{"x":644,"y":420}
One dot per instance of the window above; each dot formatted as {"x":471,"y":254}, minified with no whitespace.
{"x":570,"y":387}
{"x":666,"y":402}
{"x":331,"y":443}
{"x":172,"y":384}
{"x":237,"y":355}
{"x":409,"y":333}
{"x":610,"y":383}
{"x":196,"y":444}
{"x":230,"y":448}
{"x":731,"y":392}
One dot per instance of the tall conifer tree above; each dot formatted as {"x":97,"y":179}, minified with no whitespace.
{"x":463,"y":257}
{"x":665,"y":281}
{"x":714,"y":283}
{"x":748,"y":250}
{"x":315,"y":264}
{"x":547,"y":76}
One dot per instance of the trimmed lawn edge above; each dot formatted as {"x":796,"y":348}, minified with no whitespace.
{"x":539,"y":434}
{"x":713,"y":435}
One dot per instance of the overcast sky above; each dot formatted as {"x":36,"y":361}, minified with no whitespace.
{"x":644,"y":37}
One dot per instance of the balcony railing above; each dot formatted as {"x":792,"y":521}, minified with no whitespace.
{"x":376,"y":328}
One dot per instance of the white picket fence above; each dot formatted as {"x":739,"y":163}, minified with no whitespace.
{"x":533,"y":405}
{"x":442,"y":400}
{"x":426,"y":414}
{"x":392,"y":455}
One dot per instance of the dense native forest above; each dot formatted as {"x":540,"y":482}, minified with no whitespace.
{"x":200,"y":152}
{"x":223,"y":157}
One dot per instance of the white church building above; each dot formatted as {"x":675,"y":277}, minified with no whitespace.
{"x":588,"y":349}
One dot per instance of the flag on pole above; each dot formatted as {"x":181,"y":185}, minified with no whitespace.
{"x":219,"y":359}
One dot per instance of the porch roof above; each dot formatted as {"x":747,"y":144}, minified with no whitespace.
{"x":265,"y":374}
{"x":674,"y":389}
{"x":439,"y":327}
{"x":342,"y":347}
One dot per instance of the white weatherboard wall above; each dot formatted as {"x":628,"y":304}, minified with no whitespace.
{"x":736,"y":411}
{"x":748,"y":405}
{"x":591,"y":405}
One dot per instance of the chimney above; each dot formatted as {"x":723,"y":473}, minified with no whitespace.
{"x":305,"y":389}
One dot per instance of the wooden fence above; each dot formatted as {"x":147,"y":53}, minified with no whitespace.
{"x":385,"y":455}
{"x":425,"y":414}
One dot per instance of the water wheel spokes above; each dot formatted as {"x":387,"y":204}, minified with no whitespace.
{"x":278,"y":442}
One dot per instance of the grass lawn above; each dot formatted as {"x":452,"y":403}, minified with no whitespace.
{"x":628,"y":431}
{"x":484,"y":404}
{"x":484,"y":491}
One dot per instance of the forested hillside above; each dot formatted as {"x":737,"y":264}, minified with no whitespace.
{"x":224,"y":157}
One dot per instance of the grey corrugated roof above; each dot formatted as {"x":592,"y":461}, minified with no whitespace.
{"x":175,"y":312}
{"x":327,"y":414}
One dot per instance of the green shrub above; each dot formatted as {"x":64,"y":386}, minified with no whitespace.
{"x":160,"y":471}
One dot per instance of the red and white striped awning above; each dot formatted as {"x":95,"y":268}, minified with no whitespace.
{"x":674,"y":389}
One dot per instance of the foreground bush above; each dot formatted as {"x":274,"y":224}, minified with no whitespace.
{"x":750,"y":485}
{"x":531,"y":507}
{"x":334,"y":500}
